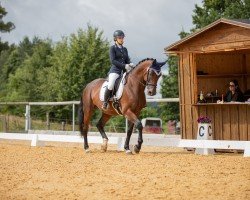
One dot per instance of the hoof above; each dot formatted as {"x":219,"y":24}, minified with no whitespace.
{"x":104,"y":145}
{"x":104,"y":148}
{"x":87,"y":150}
{"x":136,"y":149}
{"x":128,"y":152}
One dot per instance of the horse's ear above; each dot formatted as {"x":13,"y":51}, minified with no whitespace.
{"x":160,"y":64}
{"x":154,"y":62}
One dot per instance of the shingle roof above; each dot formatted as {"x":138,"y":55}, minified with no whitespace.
{"x":237,"y":22}
{"x":245,"y":21}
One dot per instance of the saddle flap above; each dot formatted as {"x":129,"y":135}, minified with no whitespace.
{"x":118,"y":89}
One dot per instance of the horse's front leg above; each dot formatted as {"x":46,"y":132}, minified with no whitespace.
{"x":133,"y":118}
{"x":129,"y":133}
{"x":138,"y":125}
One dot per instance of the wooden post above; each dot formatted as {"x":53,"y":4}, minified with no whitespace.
{"x":8,"y":123}
{"x":5,"y":124}
{"x":63,"y":126}
{"x":73,"y":117}
{"x":27,"y":118}
{"x":47,"y":121}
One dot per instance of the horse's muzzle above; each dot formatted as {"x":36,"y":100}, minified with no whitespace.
{"x":151,"y":92}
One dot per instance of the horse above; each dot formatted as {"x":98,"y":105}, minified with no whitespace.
{"x":145,"y":74}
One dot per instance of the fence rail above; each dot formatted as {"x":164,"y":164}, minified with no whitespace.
{"x":73,"y":103}
{"x":163,"y":100}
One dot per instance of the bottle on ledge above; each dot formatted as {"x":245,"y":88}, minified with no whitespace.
{"x":202,"y":99}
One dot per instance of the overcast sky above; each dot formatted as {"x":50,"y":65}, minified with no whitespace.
{"x":149,"y":25}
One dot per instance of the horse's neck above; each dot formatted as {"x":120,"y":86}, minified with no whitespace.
{"x":136,"y":78}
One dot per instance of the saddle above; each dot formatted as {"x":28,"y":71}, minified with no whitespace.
{"x":116,"y":94}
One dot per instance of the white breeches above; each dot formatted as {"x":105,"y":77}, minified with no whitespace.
{"x":112,"y":79}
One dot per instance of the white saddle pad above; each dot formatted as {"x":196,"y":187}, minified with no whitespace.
{"x":118,"y":94}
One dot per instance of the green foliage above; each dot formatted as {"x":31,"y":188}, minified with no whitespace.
{"x":116,"y":124}
{"x":211,"y":10}
{"x":11,"y":60}
{"x":23,"y":85}
{"x":169,"y":89}
{"x":170,"y":81}
{"x":76,"y":61}
{"x":150,"y":111}
{"x":4,"y":27}
{"x":38,"y":70}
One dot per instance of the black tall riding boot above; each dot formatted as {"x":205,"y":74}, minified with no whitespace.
{"x":107,"y":94}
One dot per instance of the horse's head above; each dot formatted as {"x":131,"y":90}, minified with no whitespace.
{"x":152,"y":76}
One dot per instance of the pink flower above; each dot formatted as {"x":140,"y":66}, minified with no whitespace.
{"x":204,"y":119}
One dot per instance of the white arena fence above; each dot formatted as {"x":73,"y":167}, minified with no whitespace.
{"x":119,"y":139}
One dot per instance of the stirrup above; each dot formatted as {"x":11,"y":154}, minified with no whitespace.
{"x":105,"y":105}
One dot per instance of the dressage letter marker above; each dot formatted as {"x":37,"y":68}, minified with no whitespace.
{"x":204,"y":133}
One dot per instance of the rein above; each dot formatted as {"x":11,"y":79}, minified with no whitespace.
{"x":143,"y":84}
{"x":147,"y":82}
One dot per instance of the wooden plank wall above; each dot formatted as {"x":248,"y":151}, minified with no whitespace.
{"x":248,"y":69}
{"x":229,"y":122}
{"x":225,"y":64}
{"x":222,"y":65}
{"x":187,"y":94}
{"x":219,"y":38}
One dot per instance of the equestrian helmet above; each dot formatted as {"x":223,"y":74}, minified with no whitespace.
{"x":118,"y":33}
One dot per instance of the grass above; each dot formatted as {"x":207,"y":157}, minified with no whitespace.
{"x":10,"y":123}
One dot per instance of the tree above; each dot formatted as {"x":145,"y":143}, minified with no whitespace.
{"x":208,"y":12}
{"x":169,"y":89}
{"x":12,"y":59}
{"x":5,"y":50}
{"x":23,"y":84}
{"x":76,"y":61}
{"x":211,"y":10}
{"x":4,"y":27}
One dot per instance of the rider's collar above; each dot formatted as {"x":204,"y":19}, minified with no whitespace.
{"x":118,"y":45}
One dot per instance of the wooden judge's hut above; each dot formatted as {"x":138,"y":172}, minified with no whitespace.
{"x":208,"y":60}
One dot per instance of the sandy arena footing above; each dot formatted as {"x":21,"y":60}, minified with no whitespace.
{"x":66,"y":172}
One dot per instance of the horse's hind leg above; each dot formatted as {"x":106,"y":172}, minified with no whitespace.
{"x":85,"y":127}
{"x":100,"y":126}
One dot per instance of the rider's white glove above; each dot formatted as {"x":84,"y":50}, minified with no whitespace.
{"x":131,"y":65}
{"x":128,"y":67}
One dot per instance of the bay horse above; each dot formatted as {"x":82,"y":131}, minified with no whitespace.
{"x":145,"y":74}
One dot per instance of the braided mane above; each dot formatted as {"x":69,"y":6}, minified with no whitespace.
{"x":144,"y":60}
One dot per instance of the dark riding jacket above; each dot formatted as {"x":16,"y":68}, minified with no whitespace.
{"x":118,"y":58}
{"x":237,"y":96}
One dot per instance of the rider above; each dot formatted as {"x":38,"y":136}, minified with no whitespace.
{"x":120,"y":63}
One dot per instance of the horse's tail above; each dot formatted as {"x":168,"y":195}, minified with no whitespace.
{"x":81,"y":117}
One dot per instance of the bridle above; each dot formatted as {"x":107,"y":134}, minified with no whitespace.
{"x":158,"y":73}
